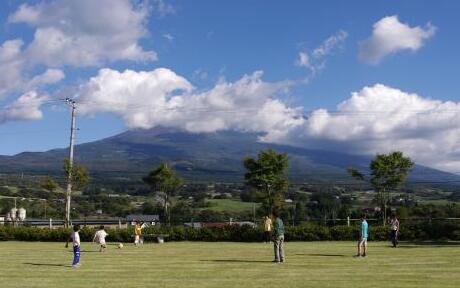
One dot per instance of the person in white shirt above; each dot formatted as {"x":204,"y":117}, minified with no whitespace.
{"x":99,"y":238}
{"x":75,"y":238}
{"x":394,"y":226}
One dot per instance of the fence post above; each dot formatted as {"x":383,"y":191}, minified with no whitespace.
{"x":348,"y":221}
{"x":119,"y":223}
{"x":51,"y":223}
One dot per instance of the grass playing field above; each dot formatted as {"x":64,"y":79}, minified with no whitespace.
{"x":200,"y":264}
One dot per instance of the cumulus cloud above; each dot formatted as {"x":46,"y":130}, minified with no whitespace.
{"x":10,"y":65}
{"x":374,"y":119}
{"x":26,"y":107}
{"x":163,"y":98}
{"x":389,"y":36}
{"x":84,"y":32}
{"x":382,"y":119}
{"x":12,"y":62}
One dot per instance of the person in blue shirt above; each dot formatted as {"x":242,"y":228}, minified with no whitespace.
{"x":363,"y":233}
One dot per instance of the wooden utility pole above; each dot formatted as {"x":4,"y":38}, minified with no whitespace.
{"x":69,"y":175}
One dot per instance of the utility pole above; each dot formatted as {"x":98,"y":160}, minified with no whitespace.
{"x":69,"y":175}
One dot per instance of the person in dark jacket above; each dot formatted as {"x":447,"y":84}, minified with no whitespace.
{"x":278,"y":238}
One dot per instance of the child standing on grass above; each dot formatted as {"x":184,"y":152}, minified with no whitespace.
{"x":267,"y":228}
{"x":362,"y":243}
{"x":138,"y":234}
{"x":99,"y":238}
{"x":75,"y":238}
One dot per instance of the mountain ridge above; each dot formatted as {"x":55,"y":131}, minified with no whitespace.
{"x":201,"y":157}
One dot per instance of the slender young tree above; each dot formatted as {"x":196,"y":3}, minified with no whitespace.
{"x":164,"y":180}
{"x":388,"y":173}
{"x":267,"y":176}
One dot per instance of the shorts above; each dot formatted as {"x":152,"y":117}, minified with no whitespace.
{"x":363,"y":241}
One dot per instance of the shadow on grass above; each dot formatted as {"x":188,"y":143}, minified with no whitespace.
{"x":46,"y":264}
{"x":428,"y":244}
{"x":237,"y":261}
{"x":322,"y":255}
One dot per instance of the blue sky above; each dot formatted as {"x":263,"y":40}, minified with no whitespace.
{"x":209,"y":46}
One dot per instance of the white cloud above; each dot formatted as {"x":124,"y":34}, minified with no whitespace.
{"x":163,"y":98}
{"x":162,"y":8}
{"x":26,"y":107}
{"x":375,"y":119}
{"x":168,"y":37}
{"x":10,"y":65}
{"x":382,"y":119}
{"x":315,"y":60}
{"x":84,"y":32}
{"x":200,"y":74}
{"x":330,"y":44}
{"x":303,"y":60}
{"x":390,"y":36}
{"x":12,"y":62}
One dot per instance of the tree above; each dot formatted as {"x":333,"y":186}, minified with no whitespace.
{"x":80,"y":175}
{"x":48,"y":183}
{"x":164,"y":180}
{"x":267,"y":176}
{"x":388,"y":172}
{"x":353,"y":172}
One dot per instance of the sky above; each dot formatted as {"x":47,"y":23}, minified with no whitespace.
{"x":359,"y":77}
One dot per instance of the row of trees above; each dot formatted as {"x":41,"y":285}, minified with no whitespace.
{"x":267,"y":180}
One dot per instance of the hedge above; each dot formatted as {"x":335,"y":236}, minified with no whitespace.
{"x":309,"y":232}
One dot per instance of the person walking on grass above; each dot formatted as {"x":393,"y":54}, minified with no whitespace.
{"x":99,"y":238}
{"x":75,"y":238}
{"x":278,"y":238}
{"x":394,"y":230}
{"x":267,"y":228}
{"x":363,"y":233}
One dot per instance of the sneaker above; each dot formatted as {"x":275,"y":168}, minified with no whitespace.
{"x":364,"y":256}
{"x":276,"y":261}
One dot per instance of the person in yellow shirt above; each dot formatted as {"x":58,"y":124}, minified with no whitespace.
{"x":137,"y":234}
{"x":268,"y":225}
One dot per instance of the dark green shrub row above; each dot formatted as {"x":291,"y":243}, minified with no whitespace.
{"x":309,"y":232}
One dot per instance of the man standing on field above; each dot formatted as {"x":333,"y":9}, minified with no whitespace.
{"x":394,"y":226}
{"x":363,"y":233}
{"x":278,"y":238}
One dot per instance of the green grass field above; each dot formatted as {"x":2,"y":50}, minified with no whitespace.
{"x":232,"y":205}
{"x":200,"y":264}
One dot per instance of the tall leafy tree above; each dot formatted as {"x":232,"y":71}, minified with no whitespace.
{"x":163,"y":179}
{"x":267,"y":176}
{"x":388,"y":173}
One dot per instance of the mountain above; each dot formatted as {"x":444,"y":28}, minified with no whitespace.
{"x":197,"y":157}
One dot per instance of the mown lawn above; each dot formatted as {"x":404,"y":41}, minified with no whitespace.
{"x":232,"y":205}
{"x":200,"y":264}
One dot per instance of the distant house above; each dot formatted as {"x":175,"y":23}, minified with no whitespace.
{"x":150,"y":220}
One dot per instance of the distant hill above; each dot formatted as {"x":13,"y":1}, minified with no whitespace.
{"x":197,"y":157}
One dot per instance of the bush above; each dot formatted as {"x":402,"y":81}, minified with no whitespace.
{"x":245,"y":233}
